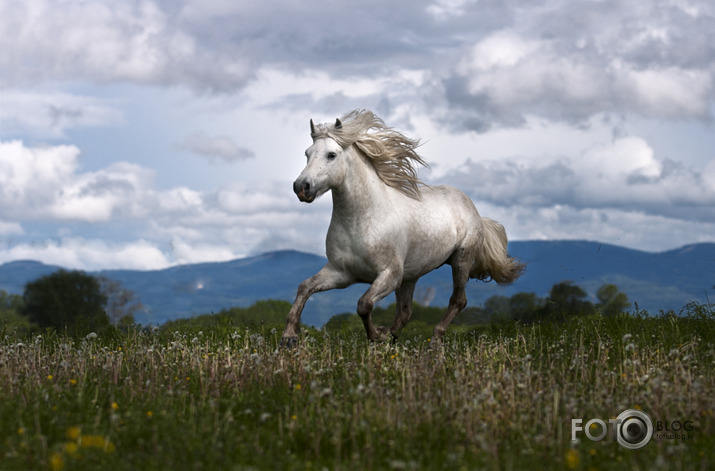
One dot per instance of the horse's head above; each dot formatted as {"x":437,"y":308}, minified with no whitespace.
{"x":326,"y":167}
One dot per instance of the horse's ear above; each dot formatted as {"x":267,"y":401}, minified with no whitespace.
{"x":312,"y":127}
{"x":338,"y":123}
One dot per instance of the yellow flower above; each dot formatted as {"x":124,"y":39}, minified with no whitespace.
{"x":115,"y":406}
{"x":293,"y":417}
{"x":97,"y":441}
{"x":592,"y":452}
{"x":297,"y":387}
{"x":57,"y":463}
{"x":149,"y":413}
{"x":21,"y":431}
{"x":637,"y":407}
{"x":73,"y":381}
{"x":572,"y":458}
{"x":73,"y":433}
{"x":50,"y":377}
{"x":71,"y":448}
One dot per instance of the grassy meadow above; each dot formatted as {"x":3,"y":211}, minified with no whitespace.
{"x":499,"y":396}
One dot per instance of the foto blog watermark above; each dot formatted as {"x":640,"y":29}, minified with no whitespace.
{"x":632,"y":429}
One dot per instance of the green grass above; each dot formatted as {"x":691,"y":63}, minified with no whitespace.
{"x":496,"y":397}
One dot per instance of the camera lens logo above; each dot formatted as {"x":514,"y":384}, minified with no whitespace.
{"x":634,"y":429}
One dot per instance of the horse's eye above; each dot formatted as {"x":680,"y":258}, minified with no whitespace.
{"x":332,"y":155}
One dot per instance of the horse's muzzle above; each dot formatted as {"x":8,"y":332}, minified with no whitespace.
{"x":303,"y":190}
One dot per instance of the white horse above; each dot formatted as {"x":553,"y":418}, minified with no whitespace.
{"x":388,"y":228}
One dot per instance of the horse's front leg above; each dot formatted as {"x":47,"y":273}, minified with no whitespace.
{"x":387,"y":282}
{"x":326,"y":279}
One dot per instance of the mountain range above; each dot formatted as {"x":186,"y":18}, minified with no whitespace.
{"x":655,"y":281}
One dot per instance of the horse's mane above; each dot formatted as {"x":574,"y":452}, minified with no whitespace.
{"x":392,"y":153}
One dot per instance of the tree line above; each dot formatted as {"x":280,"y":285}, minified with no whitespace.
{"x":77,"y":303}
{"x":71,"y":302}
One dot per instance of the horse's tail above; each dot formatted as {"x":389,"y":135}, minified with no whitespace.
{"x":493,"y":261}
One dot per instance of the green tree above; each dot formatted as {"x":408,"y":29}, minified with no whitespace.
{"x":69,"y":300}
{"x":497,"y":307}
{"x":611,"y":301}
{"x":565,"y":300}
{"x":10,"y":317}
{"x":525,"y":307}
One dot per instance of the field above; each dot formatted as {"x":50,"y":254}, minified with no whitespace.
{"x":500,"y":396}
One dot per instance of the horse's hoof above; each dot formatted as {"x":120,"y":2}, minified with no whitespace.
{"x":289,"y":342}
{"x":384,"y":334}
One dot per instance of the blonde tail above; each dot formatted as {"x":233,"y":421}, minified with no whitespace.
{"x":493,"y":261}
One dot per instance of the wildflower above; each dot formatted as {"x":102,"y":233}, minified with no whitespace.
{"x":50,"y":377}
{"x":73,"y":433}
{"x":71,"y":448}
{"x":115,"y":406}
{"x":97,"y":441}
{"x":572,"y":459}
{"x":57,"y":463}
{"x":297,"y":387}
{"x":293,"y":417}
{"x":91,"y":335}
{"x":73,"y":382}
{"x":21,"y":431}
{"x":149,"y":414}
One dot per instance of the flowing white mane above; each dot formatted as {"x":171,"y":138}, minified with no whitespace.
{"x":392,"y":153}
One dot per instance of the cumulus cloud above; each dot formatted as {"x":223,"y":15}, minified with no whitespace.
{"x":134,"y":41}
{"x":46,"y":182}
{"x":158,"y":227}
{"x":624,"y":174}
{"x":573,"y":60}
{"x":88,"y":254}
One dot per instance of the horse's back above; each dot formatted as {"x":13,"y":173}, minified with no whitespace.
{"x":445,"y":221}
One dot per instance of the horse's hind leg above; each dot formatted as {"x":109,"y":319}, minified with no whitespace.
{"x":403,"y":296}
{"x":458,"y":300}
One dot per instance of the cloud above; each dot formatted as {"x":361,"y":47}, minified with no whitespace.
{"x":135,"y":223}
{"x":135,"y":41}
{"x":508,"y":76}
{"x":88,"y":254}
{"x":46,"y":182}
{"x":51,"y":114}
{"x":217,"y":149}
{"x":10,"y":228}
{"x":624,"y":174}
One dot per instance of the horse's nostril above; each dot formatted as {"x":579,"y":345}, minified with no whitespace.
{"x":306,"y":187}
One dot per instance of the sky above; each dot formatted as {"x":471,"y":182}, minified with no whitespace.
{"x":145,"y":134}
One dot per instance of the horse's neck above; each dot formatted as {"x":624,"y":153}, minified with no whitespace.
{"x":362,"y":191}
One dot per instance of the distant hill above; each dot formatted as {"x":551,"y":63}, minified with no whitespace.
{"x":656,"y":281}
